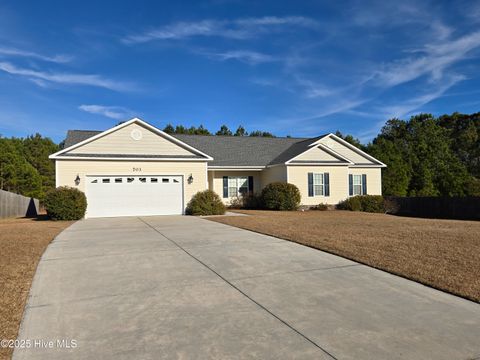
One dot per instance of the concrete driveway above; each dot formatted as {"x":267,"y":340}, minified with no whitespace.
{"x":187,"y":288}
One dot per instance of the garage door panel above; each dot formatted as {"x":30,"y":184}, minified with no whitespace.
{"x":134,"y":195}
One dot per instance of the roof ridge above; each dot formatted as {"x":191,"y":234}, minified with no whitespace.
{"x":246,"y":136}
{"x":220,"y":136}
{"x":85,"y":130}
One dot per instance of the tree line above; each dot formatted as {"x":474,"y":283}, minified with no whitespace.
{"x":428,"y":156}
{"x":425,"y":156}
{"x":25,"y":167}
{"x":223,"y":131}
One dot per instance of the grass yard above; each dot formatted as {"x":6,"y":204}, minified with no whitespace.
{"x":444,"y":254}
{"x":22,"y":243}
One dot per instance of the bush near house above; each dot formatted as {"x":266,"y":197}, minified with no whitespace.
{"x":252,"y":201}
{"x":246,"y":201}
{"x":280,"y":196}
{"x":205,"y":203}
{"x":320,"y":207}
{"x":65,"y":203}
{"x":366,"y":203}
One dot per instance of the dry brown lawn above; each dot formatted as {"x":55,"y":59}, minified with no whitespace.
{"x":22,"y":243}
{"x":444,"y":254}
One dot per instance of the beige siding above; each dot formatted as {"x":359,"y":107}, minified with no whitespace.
{"x":374,"y":179}
{"x":273,"y":174}
{"x":215,"y":180}
{"x":67,"y":171}
{"x":121,"y":142}
{"x":316,"y":154}
{"x":345,"y":151}
{"x":298,"y":175}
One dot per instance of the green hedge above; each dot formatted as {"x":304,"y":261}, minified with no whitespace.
{"x":65,"y":203}
{"x":280,"y":196}
{"x":366,"y":203}
{"x":205,"y":203}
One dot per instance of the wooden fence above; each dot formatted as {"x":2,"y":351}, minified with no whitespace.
{"x":14,"y":205}
{"x":465,"y":208}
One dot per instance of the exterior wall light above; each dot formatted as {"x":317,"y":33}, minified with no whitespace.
{"x":77,"y":180}
{"x":190,"y":179}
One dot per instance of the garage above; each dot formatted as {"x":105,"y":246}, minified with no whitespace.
{"x":109,"y":196}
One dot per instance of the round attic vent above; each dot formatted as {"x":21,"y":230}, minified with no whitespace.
{"x":136,"y":134}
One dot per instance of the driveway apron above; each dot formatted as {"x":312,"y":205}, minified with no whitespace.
{"x":179,"y":287}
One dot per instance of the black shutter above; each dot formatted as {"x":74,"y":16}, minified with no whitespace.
{"x":350,"y":185}
{"x":364,"y":184}
{"x":326,"y":183}
{"x":225,"y":187}
{"x":310,"y":184}
{"x":250,"y":184}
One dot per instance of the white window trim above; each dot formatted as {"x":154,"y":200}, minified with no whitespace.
{"x":321,"y":184}
{"x":360,"y":183}
{"x":238,"y":180}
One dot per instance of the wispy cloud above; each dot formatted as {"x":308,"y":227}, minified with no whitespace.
{"x":246,"y":56}
{"x":434,"y":59}
{"x":43,"y":78}
{"x":313,"y":89}
{"x":401,"y":109}
{"x":10,"y":51}
{"x":232,"y":29}
{"x":113,"y":112}
{"x":276,"y":20}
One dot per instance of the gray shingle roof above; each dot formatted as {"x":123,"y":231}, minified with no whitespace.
{"x":229,"y":150}
{"x":76,"y":136}
{"x":241,"y":150}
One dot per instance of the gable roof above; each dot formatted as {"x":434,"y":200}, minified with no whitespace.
{"x":76,"y":139}
{"x":241,"y":151}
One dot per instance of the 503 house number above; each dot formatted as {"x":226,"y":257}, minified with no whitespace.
{"x":137,"y":169}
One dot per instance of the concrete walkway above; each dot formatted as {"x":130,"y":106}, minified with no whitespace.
{"x":188,"y":288}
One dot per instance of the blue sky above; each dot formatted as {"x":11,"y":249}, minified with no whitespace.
{"x":298,"y":68}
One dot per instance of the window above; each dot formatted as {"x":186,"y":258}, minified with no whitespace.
{"x":143,"y":180}
{"x":318,"y":185}
{"x":153,"y":180}
{"x":165,"y":180}
{"x":357,"y":184}
{"x":106,"y":181}
{"x":95,"y":181}
{"x":237,"y":186}
{"x":175,"y":181}
{"x":129,"y":180}
{"x":118,"y":180}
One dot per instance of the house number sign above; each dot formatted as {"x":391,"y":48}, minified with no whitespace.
{"x":137,"y":169}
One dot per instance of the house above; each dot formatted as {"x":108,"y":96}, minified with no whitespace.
{"x":136,"y":169}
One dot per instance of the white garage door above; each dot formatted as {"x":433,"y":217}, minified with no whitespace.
{"x":134,"y":195}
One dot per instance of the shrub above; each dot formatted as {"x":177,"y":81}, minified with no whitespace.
{"x":321,"y":207}
{"x":280,"y":196}
{"x":252,"y":201}
{"x":236,"y":202}
{"x":247,"y":201}
{"x":352,"y":204}
{"x":373,"y":203}
{"x":367,"y":203}
{"x":65,"y":203}
{"x":205,"y":203}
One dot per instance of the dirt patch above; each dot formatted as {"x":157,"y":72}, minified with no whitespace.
{"x":444,"y":254}
{"x":22,"y":243}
